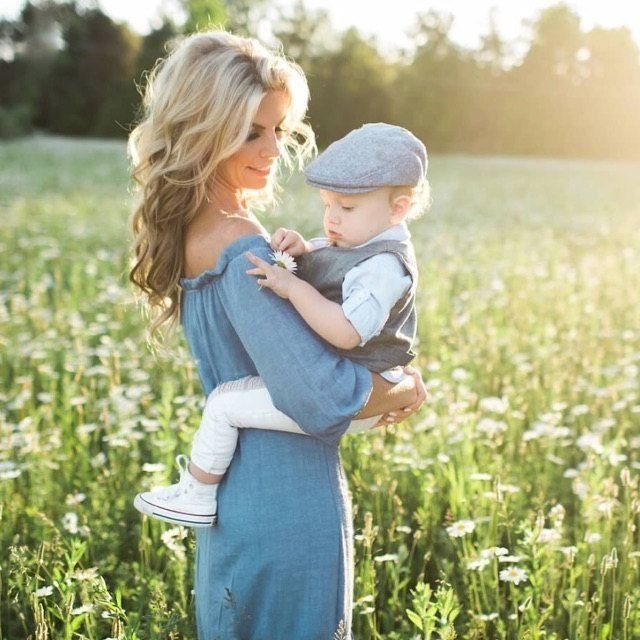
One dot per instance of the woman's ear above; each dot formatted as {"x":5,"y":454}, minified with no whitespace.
{"x":400,"y":207}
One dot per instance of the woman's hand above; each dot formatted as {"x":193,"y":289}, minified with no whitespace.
{"x":394,"y":402}
{"x":421,"y":396}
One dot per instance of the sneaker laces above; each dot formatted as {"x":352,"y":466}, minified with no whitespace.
{"x":180,"y":487}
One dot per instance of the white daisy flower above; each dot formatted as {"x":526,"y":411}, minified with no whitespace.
{"x":461,"y":528}
{"x":70,"y":522}
{"x":487,"y":617}
{"x":494,"y":405}
{"x":592,"y":537}
{"x":153,"y":467}
{"x":491,"y":427}
{"x":513,"y":574}
{"x":284,"y":260}
{"x":85,"y":608}
{"x":494,"y":551}
{"x":481,"y":476}
{"x":459,"y":374}
{"x":504,"y":559}
{"x":546,"y":536}
{"x":478,"y":564}
{"x":90,"y":574}
{"x":43,"y":592}
{"x":387,"y":557}
{"x":569,"y":552}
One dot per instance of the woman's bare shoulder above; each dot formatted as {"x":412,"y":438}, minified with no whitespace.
{"x":237,"y":227}
{"x":205,"y":243}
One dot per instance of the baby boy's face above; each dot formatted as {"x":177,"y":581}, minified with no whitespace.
{"x":353,"y":219}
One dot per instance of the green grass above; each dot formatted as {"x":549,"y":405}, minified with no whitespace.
{"x":526,"y":458}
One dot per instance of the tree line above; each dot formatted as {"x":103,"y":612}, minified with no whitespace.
{"x":74,"y":71}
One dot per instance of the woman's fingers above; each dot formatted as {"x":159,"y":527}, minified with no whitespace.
{"x":421,"y":390}
{"x":388,"y":418}
{"x":421,"y":397}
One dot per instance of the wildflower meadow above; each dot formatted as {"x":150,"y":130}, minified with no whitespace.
{"x":507,"y":508}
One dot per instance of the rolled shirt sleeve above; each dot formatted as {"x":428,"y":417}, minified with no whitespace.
{"x":369,"y":292}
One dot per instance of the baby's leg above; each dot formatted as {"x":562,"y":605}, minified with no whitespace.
{"x":192,"y":501}
{"x":241,"y":404}
{"x":362,"y":424}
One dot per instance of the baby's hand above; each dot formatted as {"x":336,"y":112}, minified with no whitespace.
{"x":290,"y":241}
{"x":270,"y":276}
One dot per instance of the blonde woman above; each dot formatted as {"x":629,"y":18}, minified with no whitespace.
{"x":220,"y":113}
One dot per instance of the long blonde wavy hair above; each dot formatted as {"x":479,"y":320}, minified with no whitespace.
{"x":199,"y":104}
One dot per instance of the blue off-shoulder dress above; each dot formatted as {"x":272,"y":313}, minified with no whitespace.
{"x":278,"y":566}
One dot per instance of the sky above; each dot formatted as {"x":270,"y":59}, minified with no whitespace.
{"x":471,"y":17}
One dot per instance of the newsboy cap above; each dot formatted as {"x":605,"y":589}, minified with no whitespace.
{"x":373,"y":156}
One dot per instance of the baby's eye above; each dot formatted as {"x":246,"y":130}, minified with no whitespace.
{"x":347,"y":207}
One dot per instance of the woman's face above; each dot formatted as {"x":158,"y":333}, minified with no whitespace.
{"x":252,"y":166}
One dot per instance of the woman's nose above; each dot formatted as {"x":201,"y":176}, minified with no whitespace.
{"x":271,"y":147}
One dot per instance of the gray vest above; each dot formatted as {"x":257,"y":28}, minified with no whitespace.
{"x":326,"y":268}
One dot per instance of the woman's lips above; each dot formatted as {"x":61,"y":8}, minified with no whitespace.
{"x":261,"y":172}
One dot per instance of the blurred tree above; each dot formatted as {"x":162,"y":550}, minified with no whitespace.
{"x":90,"y":89}
{"x":32,"y":43}
{"x":245,"y":16}
{"x":547,"y":83}
{"x":306,"y":35}
{"x":239,"y":16}
{"x":349,"y":86}
{"x":154,"y":47}
{"x":70,"y":69}
{"x":557,"y":39}
{"x":494,"y":52}
{"x":433,"y":92}
{"x":610,"y":119}
{"x":202,"y":13}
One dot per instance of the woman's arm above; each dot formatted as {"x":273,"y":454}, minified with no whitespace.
{"x":307,"y":380}
{"x":387,"y":398}
{"x":327,"y":319}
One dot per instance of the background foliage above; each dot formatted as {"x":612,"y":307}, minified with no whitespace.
{"x":73,"y":70}
{"x":507,"y":509}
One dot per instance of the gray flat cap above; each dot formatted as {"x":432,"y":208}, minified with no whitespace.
{"x":373,"y":156}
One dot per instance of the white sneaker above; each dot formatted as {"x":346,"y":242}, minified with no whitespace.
{"x":189,"y":502}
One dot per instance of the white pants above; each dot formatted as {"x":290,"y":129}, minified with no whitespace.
{"x":242,"y":404}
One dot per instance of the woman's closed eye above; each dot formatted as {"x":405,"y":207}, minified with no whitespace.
{"x":279,"y":131}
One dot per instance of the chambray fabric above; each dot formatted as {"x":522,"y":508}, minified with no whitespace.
{"x":278,"y":566}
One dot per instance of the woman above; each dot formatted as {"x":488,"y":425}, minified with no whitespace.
{"x":220,"y":112}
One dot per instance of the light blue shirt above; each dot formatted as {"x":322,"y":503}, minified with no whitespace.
{"x":371,"y":288}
